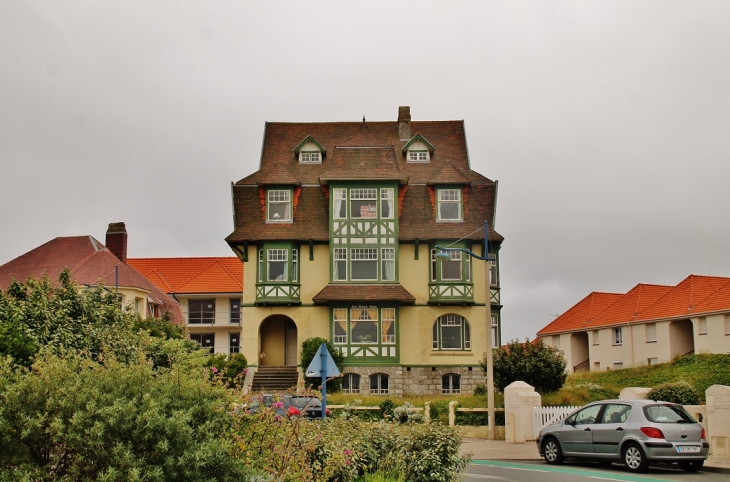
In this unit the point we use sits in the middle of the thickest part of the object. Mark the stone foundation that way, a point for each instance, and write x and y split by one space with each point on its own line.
404 380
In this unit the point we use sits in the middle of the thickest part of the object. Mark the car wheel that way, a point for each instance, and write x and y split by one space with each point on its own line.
551 452
691 465
634 458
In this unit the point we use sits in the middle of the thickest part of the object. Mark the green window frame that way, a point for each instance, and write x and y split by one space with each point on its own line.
364 326
364 203
457 269
451 332
278 263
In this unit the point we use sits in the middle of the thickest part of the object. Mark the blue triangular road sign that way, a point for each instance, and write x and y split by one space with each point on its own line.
322 358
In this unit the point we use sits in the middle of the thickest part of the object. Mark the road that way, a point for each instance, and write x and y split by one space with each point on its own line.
502 471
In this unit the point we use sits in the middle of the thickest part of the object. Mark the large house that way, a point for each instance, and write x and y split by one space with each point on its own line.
209 292
338 229
91 263
649 324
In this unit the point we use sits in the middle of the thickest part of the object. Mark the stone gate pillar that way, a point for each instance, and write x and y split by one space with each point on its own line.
519 398
718 420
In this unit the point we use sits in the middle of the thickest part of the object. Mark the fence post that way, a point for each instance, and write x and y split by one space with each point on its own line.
452 413
427 412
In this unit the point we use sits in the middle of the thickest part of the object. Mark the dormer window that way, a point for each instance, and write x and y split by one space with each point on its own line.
310 157
449 204
417 156
418 149
278 206
309 151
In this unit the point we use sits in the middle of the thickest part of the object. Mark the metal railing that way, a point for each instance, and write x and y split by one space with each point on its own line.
209 319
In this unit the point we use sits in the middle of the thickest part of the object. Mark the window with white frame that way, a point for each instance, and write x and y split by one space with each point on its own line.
387 203
364 325
339 205
450 384
702 323
596 337
387 320
364 264
493 278
351 383
449 205
363 203
618 365
650 332
339 264
451 332
617 336
417 156
310 157
456 268
727 324
277 261
495 330
378 384
278 206
339 326
294 265
388 264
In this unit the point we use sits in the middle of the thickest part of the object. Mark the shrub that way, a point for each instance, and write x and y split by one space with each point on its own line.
539 365
309 350
480 389
230 369
676 392
406 414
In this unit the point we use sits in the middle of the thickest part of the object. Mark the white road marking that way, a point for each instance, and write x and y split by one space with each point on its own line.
480 476
520 468
606 478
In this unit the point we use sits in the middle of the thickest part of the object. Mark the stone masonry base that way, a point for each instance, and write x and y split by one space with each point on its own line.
404 380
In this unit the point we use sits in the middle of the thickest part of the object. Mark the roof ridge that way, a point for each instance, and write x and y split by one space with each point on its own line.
229 273
198 273
163 278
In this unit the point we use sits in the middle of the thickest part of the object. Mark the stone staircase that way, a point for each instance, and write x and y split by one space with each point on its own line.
274 379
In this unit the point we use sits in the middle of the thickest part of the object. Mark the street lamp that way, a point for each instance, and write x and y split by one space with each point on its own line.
489 258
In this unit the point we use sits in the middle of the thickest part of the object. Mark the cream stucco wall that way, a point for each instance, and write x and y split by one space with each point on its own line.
129 295
222 328
717 338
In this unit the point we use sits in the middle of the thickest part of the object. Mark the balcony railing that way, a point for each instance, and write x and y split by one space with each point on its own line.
451 293
277 293
210 319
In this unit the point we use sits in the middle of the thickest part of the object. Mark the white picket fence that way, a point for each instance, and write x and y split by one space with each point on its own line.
543 416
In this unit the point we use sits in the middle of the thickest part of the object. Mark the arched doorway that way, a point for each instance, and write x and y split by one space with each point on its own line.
278 341
681 338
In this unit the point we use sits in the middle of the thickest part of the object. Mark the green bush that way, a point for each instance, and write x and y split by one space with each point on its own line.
677 392
480 389
309 350
230 369
537 364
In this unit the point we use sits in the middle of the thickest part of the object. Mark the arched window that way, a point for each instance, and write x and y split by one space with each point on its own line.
451 332
378 384
451 384
351 383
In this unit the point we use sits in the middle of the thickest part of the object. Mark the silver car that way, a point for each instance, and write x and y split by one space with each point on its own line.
634 432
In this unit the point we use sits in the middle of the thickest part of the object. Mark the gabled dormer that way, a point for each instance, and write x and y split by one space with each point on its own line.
418 149
309 151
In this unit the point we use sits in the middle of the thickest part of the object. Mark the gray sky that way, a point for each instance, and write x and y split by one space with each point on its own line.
606 123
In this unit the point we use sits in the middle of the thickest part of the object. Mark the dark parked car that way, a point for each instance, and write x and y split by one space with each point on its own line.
634 432
289 405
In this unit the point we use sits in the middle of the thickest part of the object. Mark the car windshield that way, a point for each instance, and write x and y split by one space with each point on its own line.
668 414
301 402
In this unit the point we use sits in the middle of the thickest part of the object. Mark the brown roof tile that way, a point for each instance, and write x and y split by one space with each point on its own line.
449 175
361 293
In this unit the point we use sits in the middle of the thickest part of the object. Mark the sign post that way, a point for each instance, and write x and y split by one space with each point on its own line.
323 364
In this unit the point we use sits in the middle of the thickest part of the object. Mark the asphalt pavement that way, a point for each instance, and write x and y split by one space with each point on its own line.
482 449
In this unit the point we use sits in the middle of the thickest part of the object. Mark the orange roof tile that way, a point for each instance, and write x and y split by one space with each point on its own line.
717 301
683 298
581 313
192 275
630 305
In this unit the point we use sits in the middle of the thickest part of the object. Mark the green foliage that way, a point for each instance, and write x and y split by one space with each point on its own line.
386 408
231 369
676 392
74 418
160 327
537 364
309 349
406 414
343 450
480 389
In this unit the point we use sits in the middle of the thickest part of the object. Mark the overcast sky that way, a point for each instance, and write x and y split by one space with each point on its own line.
606 123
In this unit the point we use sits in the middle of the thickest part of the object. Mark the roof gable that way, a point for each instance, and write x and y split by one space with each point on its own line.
683 298
193 275
418 138
449 175
307 140
278 174
581 313
628 307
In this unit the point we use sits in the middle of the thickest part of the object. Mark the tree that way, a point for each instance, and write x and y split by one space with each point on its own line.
309 349
539 365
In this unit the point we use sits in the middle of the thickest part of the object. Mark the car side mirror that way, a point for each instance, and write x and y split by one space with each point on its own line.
570 421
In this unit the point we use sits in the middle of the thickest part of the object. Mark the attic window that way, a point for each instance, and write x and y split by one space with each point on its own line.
310 157
418 156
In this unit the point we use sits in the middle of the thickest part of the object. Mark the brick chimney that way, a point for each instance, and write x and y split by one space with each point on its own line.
116 240
404 123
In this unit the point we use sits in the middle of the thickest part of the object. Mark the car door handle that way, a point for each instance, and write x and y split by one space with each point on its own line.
620 429
587 429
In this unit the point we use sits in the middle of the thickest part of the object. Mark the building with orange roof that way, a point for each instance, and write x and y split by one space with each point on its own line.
209 291
647 325
91 263
337 229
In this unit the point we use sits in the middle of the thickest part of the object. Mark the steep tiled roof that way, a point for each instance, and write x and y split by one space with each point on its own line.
365 150
581 313
278 174
684 298
628 307
90 263
193 275
350 292
717 301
